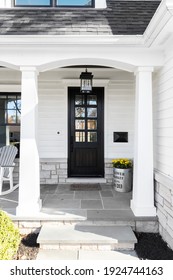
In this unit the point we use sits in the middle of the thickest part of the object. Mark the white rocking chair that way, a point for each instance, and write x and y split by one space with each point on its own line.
7 157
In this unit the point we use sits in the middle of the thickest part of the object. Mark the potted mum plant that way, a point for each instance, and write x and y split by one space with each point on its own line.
122 174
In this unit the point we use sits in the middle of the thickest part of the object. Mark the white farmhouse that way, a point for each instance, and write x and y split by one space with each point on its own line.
63 134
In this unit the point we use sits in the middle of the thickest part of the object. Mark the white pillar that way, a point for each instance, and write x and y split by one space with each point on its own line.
142 203
29 173
100 4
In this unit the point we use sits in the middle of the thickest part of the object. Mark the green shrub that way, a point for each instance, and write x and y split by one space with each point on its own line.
9 237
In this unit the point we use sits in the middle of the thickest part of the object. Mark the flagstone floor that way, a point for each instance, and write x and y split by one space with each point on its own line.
61 202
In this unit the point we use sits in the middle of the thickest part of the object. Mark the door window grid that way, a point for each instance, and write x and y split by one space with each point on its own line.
86 118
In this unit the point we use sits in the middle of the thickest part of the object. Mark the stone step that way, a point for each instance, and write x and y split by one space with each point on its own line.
86 237
49 254
82 180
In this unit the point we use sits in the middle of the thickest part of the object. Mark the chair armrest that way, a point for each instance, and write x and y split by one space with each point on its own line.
7 166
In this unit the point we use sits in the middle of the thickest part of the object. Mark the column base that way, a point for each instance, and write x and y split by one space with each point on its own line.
149 211
29 209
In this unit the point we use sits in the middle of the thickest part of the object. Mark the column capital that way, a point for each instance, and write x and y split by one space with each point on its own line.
143 69
29 69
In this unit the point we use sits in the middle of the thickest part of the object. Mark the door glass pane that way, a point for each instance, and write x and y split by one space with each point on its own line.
91 100
92 112
79 112
79 99
92 124
79 136
79 124
92 136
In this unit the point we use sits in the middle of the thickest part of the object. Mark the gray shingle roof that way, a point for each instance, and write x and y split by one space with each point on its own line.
119 18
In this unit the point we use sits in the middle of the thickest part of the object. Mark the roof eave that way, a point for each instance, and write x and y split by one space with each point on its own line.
160 25
125 40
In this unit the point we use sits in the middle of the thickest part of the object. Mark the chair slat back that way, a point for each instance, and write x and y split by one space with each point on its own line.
7 156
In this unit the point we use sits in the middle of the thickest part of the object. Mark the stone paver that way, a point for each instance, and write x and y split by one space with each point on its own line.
60 196
106 193
108 215
48 189
62 203
64 214
91 204
113 203
59 200
87 195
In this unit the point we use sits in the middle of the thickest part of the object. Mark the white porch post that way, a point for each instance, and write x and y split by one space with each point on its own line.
142 203
29 173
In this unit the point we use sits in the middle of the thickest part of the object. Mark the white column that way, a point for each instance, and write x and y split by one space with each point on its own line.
6 3
142 203
100 4
29 173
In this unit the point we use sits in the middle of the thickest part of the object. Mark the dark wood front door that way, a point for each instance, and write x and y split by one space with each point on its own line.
86 133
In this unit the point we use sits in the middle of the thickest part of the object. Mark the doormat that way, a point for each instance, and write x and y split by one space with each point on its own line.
85 187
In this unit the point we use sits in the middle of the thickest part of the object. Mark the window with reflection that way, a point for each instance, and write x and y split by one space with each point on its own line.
79 136
91 100
79 99
10 115
74 3
79 124
55 3
33 2
92 112
80 112
92 124
92 136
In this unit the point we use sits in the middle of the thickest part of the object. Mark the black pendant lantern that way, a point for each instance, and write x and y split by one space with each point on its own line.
86 82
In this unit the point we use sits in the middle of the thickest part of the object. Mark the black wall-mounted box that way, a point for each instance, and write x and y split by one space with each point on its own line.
120 137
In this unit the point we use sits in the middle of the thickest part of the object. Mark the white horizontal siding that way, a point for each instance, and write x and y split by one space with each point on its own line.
52 120
163 119
53 115
120 107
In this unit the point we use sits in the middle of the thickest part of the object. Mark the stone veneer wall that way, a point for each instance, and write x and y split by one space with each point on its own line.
108 171
55 171
16 171
164 204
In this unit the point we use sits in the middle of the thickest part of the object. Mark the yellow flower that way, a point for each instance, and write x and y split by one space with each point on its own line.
122 163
